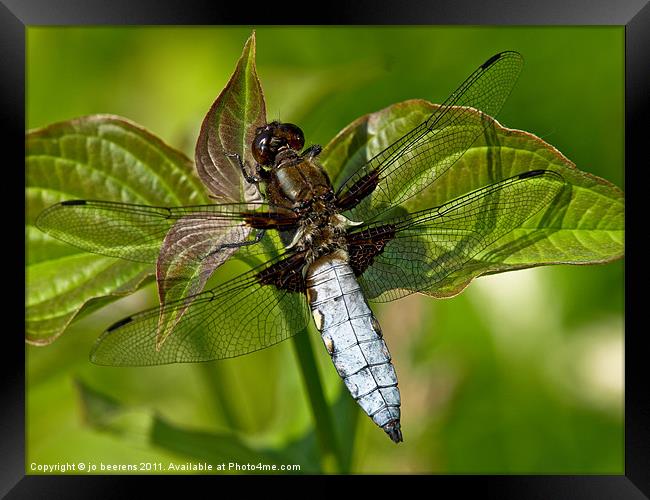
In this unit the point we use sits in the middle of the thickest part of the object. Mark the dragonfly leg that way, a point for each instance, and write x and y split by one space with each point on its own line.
251 179
259 234
312 151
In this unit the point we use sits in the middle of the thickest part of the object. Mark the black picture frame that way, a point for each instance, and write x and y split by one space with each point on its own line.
15 15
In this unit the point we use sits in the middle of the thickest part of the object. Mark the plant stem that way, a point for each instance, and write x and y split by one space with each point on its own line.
216 378
327 438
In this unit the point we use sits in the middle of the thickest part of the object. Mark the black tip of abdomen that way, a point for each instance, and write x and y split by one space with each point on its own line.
394 431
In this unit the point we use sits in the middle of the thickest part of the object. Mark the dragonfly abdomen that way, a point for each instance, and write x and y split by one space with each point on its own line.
353 338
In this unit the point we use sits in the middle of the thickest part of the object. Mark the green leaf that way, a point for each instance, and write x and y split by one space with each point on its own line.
106 414
219 448
95 157
228 128
584 226
98 409
178 272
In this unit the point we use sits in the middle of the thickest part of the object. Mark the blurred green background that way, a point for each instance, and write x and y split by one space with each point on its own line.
522 373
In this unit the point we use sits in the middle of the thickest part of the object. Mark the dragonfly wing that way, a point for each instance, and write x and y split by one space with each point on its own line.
192 250
238 317
136 232
428 151
415 253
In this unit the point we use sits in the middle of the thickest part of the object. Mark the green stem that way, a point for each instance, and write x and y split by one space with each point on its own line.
216 378
330 449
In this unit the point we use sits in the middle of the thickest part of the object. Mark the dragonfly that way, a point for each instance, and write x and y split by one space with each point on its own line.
339 247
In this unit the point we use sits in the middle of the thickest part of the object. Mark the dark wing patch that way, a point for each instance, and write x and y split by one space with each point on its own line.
285 274
358 191
365 245
280 220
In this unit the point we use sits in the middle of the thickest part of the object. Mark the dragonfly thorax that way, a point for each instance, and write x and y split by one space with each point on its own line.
296 180
321 233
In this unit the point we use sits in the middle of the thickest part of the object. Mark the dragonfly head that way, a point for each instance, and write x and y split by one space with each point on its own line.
274 136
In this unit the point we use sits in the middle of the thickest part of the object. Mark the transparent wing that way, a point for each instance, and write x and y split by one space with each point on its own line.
420 250
136 232
238 317
425 153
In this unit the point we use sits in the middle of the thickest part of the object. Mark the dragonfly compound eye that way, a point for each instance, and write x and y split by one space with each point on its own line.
262 147
273 136
291 134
